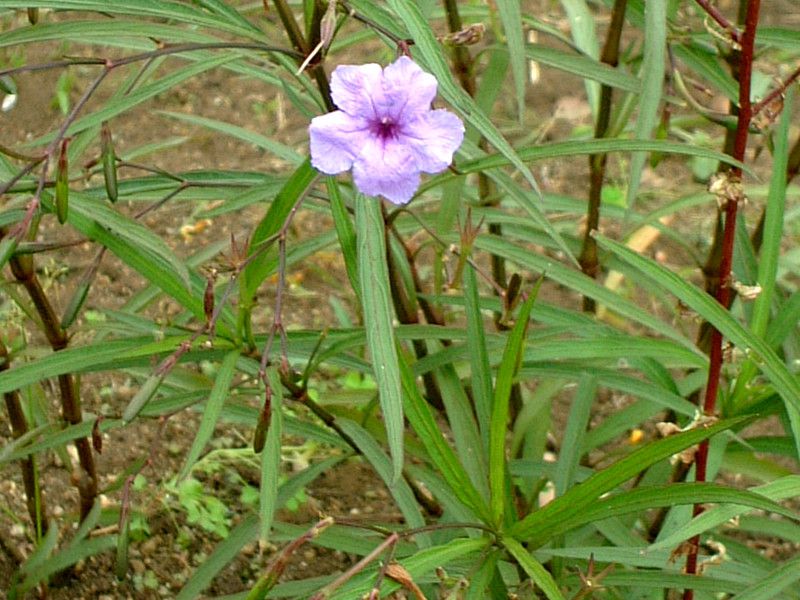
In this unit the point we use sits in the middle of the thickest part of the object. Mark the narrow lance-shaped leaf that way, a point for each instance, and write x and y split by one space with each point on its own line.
509 365
271 457
511 16
655 42
373 274
538 527
772 239
786 384
213 409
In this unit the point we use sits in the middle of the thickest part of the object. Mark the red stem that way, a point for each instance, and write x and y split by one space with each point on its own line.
723 291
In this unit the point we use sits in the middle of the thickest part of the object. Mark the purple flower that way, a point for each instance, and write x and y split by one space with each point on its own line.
384 129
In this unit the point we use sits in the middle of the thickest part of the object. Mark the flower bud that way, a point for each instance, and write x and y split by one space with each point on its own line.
62 184
327 26
109 160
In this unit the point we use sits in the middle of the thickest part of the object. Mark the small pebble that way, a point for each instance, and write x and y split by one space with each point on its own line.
17 530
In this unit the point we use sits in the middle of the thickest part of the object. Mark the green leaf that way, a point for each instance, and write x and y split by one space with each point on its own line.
146 92
418 565
271 458
509 365
652 74
225 552
212 410
552 150
398 487
290 195
584 67
537 528
533 568
158 9
572 443
376 302
780 489
580 283
69 556
786 384
441 455
773 584
136 245
582 28
641 499
511 16
260 141
478 356
345 232
773 236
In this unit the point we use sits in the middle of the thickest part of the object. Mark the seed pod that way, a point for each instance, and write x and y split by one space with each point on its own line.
109 160
208 300
33 16
97 437
512 293
260 435
142 397
7 86
62 184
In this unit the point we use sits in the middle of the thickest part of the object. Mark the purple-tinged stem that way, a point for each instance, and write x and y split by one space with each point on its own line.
723 294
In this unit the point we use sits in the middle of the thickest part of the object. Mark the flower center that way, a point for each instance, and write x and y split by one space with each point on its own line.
385 129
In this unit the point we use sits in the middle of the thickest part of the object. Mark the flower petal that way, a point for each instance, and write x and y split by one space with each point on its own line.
433 137
386 168
408 89
356 88
335 140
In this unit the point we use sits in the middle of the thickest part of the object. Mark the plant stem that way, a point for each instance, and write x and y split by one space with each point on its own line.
303 46
19 426
86 481
723 294
597 162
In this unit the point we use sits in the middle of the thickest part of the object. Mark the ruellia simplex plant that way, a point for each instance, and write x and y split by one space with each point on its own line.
577 394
